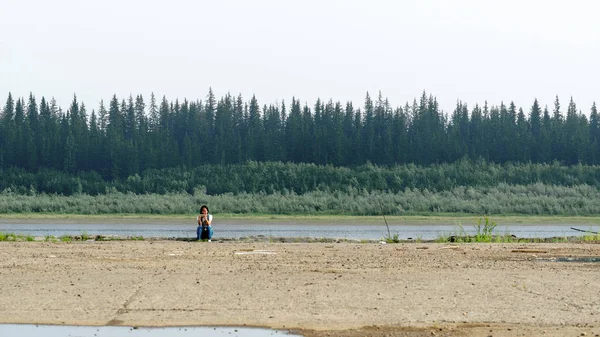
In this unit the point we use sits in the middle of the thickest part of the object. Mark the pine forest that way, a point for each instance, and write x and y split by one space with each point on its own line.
133 155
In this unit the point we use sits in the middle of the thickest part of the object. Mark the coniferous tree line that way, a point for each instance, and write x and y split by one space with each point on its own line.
130 136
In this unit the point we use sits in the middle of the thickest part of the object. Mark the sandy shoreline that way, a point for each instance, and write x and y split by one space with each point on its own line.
336 289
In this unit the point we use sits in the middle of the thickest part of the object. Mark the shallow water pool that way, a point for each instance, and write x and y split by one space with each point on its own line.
36 330
584 259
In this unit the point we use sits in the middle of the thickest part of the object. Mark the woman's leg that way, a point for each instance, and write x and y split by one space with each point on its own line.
210 232
198 232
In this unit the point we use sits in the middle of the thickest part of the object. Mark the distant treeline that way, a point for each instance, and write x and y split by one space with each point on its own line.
289 178
132 136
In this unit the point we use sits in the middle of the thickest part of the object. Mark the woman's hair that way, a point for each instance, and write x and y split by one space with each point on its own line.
204 206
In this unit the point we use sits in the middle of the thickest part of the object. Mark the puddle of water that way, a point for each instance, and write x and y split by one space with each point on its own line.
31 330
256 251
572 259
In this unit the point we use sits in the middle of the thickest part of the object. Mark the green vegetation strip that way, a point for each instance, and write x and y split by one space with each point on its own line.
536 200
12 237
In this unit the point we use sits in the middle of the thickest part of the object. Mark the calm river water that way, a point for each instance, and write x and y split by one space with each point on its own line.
287 230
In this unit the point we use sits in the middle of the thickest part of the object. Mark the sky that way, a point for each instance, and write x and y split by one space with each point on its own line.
468 50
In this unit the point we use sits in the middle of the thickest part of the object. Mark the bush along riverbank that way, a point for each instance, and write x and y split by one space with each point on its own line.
503 199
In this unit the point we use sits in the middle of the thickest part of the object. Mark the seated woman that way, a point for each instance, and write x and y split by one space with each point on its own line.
204 230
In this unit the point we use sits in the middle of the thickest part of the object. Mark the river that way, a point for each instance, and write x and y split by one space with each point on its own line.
227 230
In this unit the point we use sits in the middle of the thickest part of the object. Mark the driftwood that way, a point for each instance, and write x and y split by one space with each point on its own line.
527 250
583 230
470 238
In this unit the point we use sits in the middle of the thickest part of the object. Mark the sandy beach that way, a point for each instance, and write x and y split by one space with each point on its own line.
316 289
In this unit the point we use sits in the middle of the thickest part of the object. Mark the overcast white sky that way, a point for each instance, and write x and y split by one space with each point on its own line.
472 50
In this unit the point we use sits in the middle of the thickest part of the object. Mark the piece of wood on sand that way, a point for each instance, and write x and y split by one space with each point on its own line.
528 250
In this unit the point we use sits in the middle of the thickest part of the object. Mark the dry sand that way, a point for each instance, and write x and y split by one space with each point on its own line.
319 289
